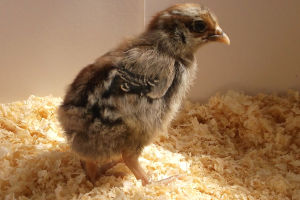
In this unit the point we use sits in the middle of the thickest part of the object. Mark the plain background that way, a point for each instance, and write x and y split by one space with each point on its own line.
44 44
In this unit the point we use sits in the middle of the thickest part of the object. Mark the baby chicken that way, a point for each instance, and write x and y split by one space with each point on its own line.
117 105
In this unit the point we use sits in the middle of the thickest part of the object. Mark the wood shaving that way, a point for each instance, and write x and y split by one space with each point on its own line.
234 147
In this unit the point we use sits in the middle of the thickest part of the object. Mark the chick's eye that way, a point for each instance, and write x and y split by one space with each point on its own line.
199 26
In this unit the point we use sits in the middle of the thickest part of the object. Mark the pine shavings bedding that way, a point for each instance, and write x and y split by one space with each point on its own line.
234 147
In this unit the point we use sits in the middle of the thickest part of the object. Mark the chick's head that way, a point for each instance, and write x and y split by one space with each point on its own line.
188 26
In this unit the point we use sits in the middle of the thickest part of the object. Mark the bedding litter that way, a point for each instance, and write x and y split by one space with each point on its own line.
234 147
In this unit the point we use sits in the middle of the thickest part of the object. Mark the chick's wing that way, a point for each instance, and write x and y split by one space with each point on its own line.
145 73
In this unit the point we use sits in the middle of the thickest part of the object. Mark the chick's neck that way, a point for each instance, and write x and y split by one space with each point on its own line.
173 44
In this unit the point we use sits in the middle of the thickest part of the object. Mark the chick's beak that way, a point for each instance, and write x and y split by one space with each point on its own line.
219 36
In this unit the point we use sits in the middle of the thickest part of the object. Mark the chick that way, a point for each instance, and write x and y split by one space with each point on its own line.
118 104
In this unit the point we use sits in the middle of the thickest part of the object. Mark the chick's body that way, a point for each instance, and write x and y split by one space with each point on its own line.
116 105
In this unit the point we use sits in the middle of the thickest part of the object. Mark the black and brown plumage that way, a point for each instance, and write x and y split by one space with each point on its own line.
118 104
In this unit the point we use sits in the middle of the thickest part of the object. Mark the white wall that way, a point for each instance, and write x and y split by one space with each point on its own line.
43 44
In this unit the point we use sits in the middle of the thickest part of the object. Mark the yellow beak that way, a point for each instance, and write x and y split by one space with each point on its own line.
219 36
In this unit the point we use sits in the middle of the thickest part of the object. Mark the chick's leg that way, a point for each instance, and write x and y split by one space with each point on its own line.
91 169
93 172
131 161
109 165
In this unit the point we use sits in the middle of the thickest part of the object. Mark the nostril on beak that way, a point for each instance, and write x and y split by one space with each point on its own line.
219 31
